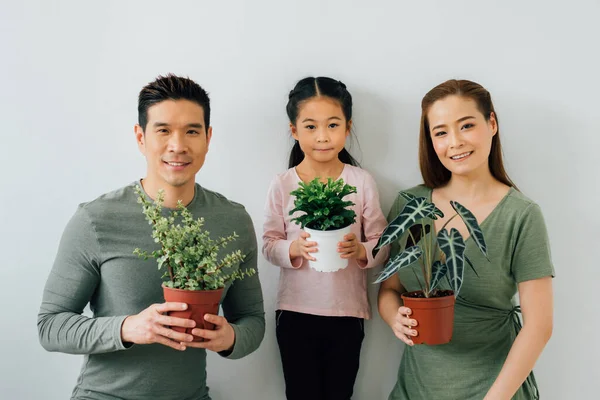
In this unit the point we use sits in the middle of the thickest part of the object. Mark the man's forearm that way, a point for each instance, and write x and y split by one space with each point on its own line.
73 333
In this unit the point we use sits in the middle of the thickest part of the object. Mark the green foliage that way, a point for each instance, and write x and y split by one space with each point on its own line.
187 252
440 255
323 205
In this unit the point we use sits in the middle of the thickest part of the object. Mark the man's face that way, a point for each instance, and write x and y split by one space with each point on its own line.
174 142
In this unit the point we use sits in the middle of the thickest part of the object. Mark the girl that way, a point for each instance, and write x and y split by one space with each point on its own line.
319 316
490 356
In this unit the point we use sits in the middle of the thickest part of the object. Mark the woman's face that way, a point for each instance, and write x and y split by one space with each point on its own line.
461 135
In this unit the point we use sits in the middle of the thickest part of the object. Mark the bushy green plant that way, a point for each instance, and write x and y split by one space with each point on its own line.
323 205
440 255
187 251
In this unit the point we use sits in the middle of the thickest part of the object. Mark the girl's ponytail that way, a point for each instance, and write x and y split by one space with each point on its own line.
296 155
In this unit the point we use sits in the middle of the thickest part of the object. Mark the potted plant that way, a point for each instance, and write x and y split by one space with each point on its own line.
195 275
441 256
326 218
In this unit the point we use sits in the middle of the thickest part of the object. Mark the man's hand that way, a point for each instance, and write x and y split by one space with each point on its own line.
151 326
222 338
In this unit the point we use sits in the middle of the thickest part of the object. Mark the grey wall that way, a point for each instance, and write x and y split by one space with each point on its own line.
71 71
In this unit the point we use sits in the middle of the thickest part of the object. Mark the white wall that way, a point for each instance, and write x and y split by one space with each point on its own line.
71 71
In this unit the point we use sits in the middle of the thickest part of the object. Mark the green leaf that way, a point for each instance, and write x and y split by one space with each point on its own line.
402 260
416 231
414 211
188 249
471 265
438 271
438 213
408 196
453 246
472 225
322 205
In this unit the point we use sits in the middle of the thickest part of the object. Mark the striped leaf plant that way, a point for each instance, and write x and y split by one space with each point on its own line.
441 255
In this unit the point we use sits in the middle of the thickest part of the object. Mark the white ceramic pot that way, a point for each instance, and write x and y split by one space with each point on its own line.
328 259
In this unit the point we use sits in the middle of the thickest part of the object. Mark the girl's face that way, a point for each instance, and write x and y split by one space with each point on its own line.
461 136
321 129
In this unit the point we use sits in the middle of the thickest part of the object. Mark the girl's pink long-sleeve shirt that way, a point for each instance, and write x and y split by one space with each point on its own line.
301 288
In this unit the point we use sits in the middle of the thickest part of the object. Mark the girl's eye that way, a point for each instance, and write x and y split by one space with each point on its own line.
333 125
439 133
310 127
468 126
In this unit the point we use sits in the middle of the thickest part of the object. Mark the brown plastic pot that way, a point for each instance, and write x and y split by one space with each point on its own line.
200 302
434 315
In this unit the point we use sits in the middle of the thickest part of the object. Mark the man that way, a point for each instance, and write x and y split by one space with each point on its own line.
130 350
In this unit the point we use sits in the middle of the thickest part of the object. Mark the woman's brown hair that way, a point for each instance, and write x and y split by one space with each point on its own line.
433 171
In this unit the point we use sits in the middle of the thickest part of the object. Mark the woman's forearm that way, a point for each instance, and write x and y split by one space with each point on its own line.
521 359
388 302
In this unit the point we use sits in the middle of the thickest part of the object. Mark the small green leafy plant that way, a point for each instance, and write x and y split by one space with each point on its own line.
187 251
323 205
440 256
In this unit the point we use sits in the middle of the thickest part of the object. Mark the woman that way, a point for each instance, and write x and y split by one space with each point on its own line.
489 356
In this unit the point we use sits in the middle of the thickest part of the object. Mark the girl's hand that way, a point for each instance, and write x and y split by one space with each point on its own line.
352 248
403 325
302 248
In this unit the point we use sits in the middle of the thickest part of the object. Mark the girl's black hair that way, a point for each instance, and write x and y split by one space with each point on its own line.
308 88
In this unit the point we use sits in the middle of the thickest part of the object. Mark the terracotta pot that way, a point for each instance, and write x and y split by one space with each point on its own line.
434 315
199 302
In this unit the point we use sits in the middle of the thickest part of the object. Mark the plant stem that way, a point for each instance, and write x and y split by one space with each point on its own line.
432 255
427 259
447 222
418 281
413 239
426 290
216 246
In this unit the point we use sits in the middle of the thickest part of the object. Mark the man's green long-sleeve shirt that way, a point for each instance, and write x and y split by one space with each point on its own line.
95 264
